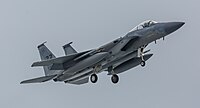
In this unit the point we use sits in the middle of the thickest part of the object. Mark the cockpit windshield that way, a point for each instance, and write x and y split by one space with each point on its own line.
144 24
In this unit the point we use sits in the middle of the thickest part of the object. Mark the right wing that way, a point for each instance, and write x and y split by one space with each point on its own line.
39 80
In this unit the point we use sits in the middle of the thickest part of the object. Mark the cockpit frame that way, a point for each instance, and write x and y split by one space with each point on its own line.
144 24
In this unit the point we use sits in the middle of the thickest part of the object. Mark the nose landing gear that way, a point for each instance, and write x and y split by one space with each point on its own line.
141 55
142 63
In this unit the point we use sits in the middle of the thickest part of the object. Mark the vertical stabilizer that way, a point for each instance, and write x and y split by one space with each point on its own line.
46 54
69 49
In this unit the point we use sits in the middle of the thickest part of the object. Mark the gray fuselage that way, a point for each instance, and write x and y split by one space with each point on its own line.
120 50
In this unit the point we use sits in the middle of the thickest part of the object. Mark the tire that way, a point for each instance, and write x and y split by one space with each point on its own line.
93 78
143 63
115 78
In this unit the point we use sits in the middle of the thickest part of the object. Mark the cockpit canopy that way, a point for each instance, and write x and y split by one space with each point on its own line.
144 24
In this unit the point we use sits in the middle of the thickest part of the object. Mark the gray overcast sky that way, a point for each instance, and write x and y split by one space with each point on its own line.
169 80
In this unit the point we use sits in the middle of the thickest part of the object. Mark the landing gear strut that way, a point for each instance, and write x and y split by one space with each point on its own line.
140 54
114 78
93 78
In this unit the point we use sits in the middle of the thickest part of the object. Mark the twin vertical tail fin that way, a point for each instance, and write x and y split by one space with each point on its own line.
69 49
46 54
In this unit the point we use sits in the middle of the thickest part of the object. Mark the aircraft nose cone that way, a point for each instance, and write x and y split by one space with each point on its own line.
173 26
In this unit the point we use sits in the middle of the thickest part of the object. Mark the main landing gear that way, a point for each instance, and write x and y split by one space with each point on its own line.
115 78
93 78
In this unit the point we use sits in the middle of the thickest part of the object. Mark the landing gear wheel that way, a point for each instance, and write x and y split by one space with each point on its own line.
114 78
93 78
142 63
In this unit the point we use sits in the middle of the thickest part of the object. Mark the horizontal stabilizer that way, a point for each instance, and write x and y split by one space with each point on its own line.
39 80
58 60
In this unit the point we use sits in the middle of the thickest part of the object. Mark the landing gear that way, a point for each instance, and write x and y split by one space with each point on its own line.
93 78
96 69
114 78
142 63
141 55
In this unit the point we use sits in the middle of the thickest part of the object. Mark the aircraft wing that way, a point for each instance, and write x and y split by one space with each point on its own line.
58 60
39 80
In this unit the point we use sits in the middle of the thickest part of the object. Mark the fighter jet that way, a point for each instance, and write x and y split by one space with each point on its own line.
114 57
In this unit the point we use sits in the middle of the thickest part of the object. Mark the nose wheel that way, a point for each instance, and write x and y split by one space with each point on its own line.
142 63
93 78
115 78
